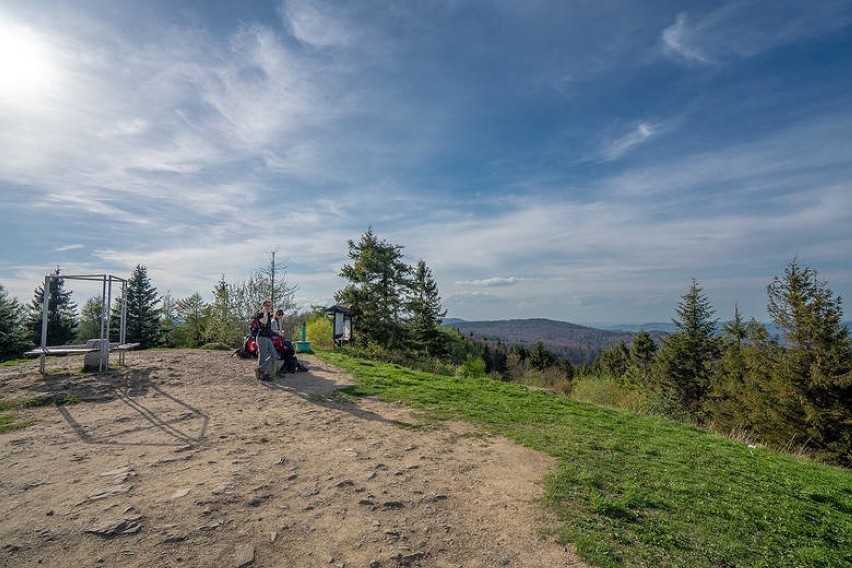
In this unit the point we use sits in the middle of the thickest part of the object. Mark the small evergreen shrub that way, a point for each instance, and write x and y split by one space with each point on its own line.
472 368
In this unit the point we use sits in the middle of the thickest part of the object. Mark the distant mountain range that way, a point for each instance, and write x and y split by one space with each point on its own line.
577 343
665 327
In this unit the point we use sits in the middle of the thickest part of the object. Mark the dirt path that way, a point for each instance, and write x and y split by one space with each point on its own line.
183 459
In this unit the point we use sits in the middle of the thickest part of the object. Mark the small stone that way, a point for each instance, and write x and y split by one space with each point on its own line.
245 555
127 525
180 493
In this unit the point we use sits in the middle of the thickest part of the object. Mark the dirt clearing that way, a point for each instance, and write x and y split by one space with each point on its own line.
182 458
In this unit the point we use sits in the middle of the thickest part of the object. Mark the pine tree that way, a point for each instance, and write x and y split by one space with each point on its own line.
61 313
759 400
541 358
192 311
14 338
685 361
377 278
726 392
643 349
143 314
424 307
816 366
91 316
613 361
223 325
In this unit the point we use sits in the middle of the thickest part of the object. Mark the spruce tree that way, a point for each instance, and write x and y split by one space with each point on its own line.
685 361
143 313
541 358
643 349
816 366
223 324
726 393
424 307
61 313
759 399
192 311
91 315
14 338
378 278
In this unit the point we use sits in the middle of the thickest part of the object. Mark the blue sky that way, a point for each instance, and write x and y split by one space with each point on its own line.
580 161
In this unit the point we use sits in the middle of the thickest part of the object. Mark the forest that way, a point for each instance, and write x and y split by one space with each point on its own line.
790 390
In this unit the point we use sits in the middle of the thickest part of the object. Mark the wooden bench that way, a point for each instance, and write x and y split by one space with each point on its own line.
78 349
62 350
94 356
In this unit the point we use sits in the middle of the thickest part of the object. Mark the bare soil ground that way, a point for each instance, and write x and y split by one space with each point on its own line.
182 458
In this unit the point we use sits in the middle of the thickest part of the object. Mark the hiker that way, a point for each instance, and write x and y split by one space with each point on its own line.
266 355
278 323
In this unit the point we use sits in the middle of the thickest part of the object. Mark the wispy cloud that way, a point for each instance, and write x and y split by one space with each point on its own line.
639 134
745 29
490 282
67 248
678 41
438 124
318 24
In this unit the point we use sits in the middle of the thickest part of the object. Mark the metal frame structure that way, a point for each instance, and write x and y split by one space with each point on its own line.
103 345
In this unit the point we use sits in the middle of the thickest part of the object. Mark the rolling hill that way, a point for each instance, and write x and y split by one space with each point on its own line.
577 343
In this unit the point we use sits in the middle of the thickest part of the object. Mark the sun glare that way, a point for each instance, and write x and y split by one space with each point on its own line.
25 68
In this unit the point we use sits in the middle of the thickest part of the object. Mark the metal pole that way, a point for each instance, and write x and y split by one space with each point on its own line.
122 335
44 302
104 307
104 358
272 292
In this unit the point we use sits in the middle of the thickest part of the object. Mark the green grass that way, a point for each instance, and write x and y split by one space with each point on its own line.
10 420
631 490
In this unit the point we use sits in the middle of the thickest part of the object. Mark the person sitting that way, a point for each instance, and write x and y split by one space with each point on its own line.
267 357
278 323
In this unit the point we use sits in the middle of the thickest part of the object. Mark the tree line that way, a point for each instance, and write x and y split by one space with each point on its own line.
793 390
152 320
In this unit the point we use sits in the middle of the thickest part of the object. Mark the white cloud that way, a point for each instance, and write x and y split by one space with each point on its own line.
678 41
641 133
318 24
745 29
490 282
67 248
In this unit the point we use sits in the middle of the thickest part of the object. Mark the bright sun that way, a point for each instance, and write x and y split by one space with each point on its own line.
25 69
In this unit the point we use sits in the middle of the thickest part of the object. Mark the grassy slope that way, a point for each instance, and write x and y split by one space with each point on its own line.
639 491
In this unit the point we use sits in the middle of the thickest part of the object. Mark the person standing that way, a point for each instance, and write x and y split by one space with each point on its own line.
266 355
